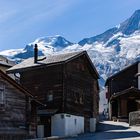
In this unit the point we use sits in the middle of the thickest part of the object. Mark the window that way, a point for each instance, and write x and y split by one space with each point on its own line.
49 97
2 101
78 98
80 67
81 98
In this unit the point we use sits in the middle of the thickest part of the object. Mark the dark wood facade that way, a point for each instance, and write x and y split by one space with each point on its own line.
81 89
80 84
13 123
15 109
123 80
44 82
69 86
123 93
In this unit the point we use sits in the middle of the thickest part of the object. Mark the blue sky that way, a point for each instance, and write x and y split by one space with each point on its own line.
22 21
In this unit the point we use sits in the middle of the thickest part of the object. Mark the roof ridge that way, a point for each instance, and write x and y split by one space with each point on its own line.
51 59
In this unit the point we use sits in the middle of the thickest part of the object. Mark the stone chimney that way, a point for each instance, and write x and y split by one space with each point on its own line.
35 53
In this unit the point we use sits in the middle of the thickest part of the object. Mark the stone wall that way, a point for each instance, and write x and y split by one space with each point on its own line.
134 118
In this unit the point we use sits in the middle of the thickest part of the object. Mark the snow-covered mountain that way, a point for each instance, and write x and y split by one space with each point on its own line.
127 27
46 45
114 49
110 51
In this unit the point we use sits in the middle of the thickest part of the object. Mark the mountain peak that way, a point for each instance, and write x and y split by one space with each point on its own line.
136 15
132 24
48 44
137 12
55 41
127 27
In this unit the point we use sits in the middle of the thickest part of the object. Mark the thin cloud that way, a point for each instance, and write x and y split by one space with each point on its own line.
23 22
25 16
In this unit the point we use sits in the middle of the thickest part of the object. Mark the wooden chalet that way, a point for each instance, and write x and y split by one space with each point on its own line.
123 92
15 107
68 84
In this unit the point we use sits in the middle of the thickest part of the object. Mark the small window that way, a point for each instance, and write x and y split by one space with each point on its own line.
81 98
50 97
2 100
76 97
82 67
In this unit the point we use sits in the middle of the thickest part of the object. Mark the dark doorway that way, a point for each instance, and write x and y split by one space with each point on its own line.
46 121
131 106
86 125
114 108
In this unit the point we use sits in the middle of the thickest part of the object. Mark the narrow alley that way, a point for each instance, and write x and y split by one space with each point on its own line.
109 130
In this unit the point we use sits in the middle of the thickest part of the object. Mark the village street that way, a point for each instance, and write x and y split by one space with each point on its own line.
109 130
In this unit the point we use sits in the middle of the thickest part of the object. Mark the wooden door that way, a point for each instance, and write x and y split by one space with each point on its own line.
47 127
46 121
131 106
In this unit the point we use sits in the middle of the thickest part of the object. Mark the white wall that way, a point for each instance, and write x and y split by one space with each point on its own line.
58 125
40 131
110 111
67 125
103 102
92 124
139 76
74 125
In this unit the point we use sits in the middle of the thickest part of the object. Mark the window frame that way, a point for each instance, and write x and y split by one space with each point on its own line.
2 95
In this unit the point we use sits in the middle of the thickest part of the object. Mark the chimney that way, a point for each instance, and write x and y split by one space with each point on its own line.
35 53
